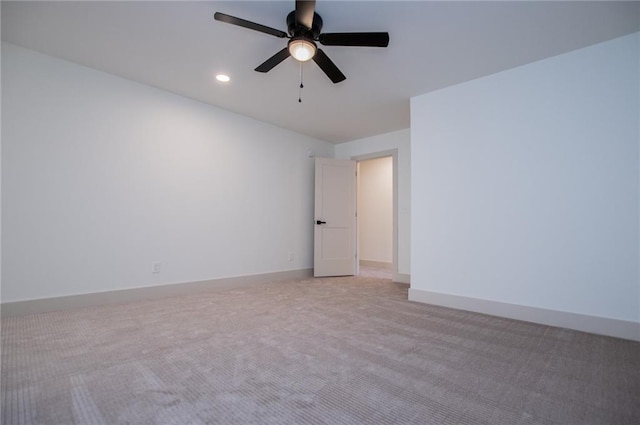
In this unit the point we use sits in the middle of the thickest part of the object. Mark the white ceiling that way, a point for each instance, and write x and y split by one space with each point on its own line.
179 47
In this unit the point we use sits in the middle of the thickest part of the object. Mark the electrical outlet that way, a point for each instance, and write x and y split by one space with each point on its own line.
290 255
156 266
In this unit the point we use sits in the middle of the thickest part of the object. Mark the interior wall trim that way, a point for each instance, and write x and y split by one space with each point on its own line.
44 305
378 264
580 322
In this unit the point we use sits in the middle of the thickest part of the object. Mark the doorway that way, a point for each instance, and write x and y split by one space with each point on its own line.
376 215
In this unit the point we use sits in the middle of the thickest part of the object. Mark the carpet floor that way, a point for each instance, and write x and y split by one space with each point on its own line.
348 350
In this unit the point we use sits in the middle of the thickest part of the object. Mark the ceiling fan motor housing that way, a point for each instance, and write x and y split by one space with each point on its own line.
297 30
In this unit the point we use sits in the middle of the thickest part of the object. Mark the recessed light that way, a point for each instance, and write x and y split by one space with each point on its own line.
223 78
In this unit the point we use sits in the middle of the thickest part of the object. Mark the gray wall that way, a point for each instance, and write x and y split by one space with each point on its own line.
525 185
102 176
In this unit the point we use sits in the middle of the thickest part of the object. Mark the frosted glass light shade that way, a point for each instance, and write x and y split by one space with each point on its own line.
302 49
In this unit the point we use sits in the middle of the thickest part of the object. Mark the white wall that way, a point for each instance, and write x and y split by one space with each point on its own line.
400 141
101 176
375 210
525 185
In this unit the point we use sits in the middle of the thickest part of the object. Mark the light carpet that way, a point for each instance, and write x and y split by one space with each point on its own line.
347 350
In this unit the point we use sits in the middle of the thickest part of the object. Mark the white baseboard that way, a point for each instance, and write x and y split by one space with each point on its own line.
377 264
401 277
44 305
581 322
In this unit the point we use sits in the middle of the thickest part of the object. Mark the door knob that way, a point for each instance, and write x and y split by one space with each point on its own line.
320 222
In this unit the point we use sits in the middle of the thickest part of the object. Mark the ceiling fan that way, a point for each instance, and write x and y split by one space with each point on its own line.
304 26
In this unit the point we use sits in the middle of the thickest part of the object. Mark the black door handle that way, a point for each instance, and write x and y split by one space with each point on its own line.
320 222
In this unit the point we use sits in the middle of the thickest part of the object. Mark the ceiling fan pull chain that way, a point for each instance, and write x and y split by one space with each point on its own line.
301 85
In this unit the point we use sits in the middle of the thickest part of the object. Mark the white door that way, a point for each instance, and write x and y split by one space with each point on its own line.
335 218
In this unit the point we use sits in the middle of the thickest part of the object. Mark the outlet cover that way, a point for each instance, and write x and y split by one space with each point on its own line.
156 266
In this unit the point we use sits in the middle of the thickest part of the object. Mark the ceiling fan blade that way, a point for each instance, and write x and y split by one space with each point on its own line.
222 17
267 65
304 12
328 67
365 39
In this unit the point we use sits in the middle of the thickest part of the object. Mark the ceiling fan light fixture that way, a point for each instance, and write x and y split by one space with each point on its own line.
304 27
302 49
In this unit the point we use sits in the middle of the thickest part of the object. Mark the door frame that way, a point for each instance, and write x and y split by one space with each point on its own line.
393 153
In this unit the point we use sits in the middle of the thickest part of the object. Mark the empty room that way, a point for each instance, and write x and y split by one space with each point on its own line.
195 228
